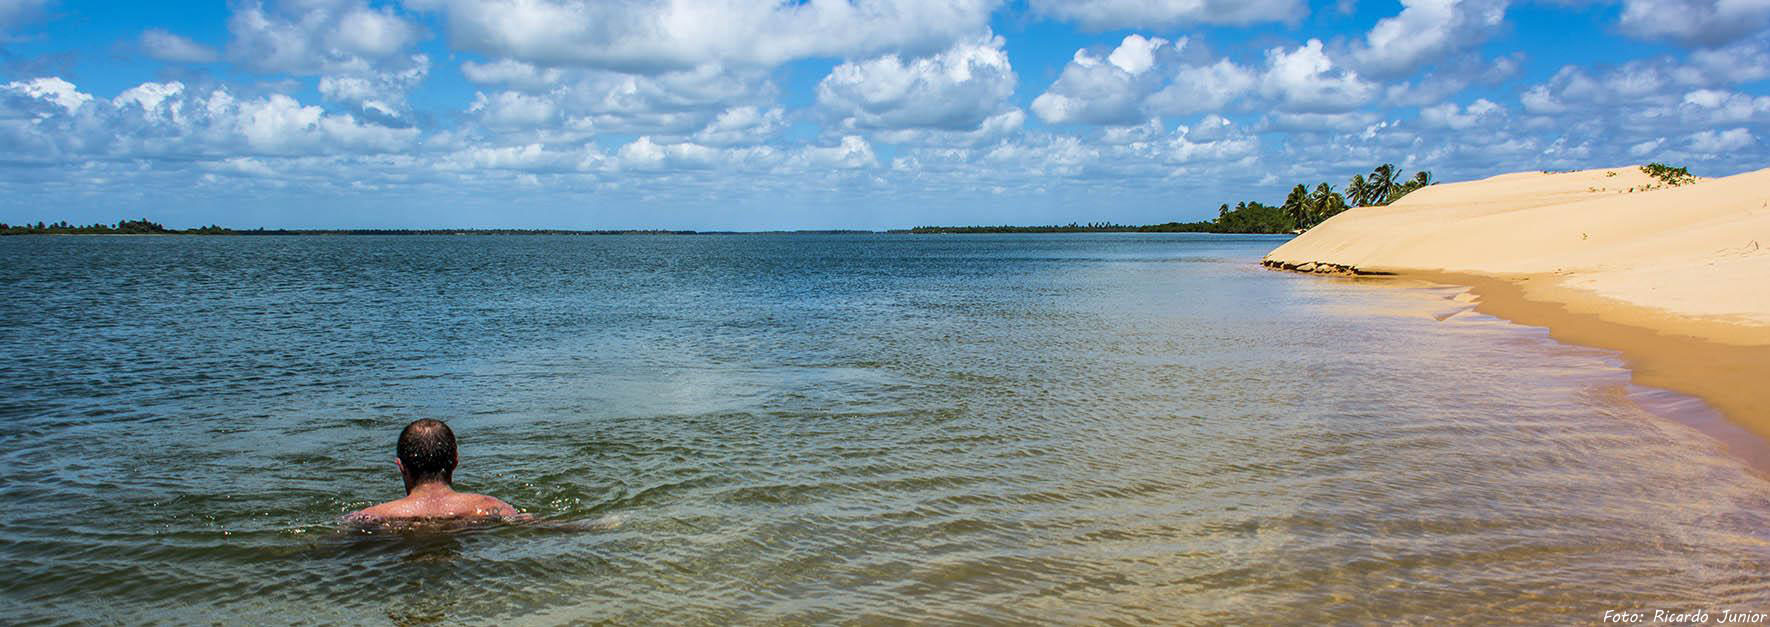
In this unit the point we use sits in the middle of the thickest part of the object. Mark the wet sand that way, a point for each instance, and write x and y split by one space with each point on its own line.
1662 351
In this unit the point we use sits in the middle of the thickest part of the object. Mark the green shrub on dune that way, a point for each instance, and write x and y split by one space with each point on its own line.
1669 175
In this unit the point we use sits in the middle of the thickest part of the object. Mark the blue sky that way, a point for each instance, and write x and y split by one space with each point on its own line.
743 114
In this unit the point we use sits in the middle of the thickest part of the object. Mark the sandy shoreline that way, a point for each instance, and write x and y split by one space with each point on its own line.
1729 377
1675 279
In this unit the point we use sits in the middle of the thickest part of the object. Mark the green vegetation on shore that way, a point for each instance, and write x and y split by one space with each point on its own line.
1302 209
123 227
1308 208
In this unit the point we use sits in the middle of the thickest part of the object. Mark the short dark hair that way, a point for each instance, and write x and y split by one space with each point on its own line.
427 450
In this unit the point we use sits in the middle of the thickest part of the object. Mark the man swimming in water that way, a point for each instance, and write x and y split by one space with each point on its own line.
427 462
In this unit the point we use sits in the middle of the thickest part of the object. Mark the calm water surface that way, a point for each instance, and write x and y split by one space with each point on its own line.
760 429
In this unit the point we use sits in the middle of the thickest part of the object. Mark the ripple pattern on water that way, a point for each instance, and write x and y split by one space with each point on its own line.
809 429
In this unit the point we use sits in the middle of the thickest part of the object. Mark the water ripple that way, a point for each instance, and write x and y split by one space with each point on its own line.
764 429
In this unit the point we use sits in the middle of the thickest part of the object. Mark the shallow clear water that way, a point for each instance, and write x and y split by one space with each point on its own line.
720 429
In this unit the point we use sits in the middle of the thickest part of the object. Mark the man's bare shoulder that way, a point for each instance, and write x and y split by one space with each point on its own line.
460 505
487 506
391 510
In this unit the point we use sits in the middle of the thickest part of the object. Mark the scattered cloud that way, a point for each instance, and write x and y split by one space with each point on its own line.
1482 112
171 120
1451 77
1425 32
1318 122
1716 107
909 103
363 55
512 109
1714 142
1109 14
1706 23
166 46
1199 88
318 36
742 125
514 74
16 14
850 153
646 37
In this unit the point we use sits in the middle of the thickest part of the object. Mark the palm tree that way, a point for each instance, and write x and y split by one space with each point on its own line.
1357 191
1324 204
1384 180
1296 205
1420 180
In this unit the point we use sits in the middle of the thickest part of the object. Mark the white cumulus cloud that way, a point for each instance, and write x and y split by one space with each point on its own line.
1106 89
742 125
1715 142
1198 88
954 90
516 74
1448 115
362 54
170 119
383 93
52 89
650 36
148 98
1426 31
1713 106
851 153
1306 80
667 103
514 109
317 36
1695 22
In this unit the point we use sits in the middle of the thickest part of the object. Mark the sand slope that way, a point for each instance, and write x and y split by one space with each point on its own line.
1692 260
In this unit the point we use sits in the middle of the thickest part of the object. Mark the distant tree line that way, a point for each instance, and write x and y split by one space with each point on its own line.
147 227
122 227
1302 209
1091 227
262 231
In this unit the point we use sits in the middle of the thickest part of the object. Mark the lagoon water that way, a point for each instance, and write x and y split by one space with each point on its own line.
823 428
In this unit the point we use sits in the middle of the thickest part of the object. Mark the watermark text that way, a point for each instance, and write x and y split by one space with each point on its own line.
1685 617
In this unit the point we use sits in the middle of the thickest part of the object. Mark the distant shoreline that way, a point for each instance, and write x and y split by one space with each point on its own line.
993 230
1246 218
1171 227
310 232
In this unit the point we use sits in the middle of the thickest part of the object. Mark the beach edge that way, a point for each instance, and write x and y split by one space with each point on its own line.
1659 349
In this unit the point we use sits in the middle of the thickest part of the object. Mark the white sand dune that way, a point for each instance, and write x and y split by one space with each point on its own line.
1695 257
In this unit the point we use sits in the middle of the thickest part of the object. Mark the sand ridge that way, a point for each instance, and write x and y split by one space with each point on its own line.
1700 251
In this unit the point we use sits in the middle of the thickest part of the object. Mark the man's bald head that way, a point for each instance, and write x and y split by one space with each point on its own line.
427 451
